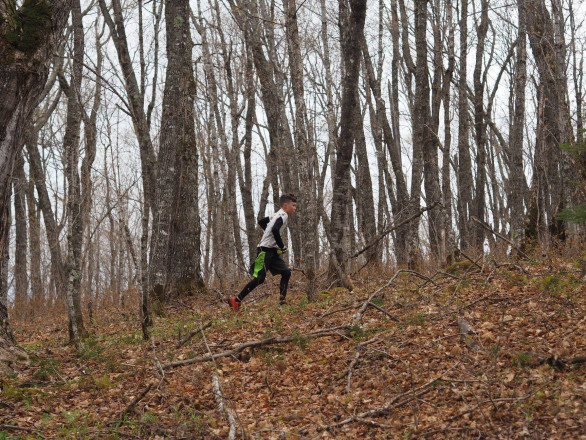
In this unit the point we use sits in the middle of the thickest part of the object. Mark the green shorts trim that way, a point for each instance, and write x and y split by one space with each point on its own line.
259 263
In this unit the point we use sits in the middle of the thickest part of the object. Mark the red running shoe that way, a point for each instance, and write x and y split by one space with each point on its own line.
234 303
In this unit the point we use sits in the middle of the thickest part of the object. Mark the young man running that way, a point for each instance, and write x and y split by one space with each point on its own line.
268 252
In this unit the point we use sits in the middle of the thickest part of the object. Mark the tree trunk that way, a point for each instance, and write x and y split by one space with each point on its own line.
480 128
23 73
305 152
433 191
552 172
516 181
351 28
20 251
176 249
71 145
448 242
465 181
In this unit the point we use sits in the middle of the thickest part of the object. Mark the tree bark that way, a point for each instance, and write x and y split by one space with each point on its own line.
30 34
71 145
20 251
552 173
465 181
352 29
516 181
305 152
176 248
480 126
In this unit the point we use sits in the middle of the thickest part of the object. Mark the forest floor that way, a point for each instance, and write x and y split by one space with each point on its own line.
481 355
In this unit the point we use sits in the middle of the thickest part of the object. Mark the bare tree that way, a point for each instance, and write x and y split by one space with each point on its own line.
27 52
352 19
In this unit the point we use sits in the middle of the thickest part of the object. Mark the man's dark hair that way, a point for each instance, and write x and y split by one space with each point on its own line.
286 198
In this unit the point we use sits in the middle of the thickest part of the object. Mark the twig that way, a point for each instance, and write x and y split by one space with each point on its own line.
359 348
513 246
516 266
21 428
396 402
253 344
380 309
475 263
192 334
158 363
130 408
450 275
219 395
392 228
358 316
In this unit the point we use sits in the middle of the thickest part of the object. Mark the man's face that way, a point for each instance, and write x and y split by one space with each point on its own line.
290 207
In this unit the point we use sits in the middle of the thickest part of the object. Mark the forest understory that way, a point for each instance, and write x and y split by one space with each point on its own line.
469 353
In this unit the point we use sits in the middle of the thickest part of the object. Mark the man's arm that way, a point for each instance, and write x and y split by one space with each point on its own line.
276 232
263 222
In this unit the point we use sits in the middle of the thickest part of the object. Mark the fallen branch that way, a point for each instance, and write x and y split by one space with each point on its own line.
132 406
254 344
392 228
358 316
219 395
192 334
359 348
489 229
535 360
21 428
383 311
394 403
158 363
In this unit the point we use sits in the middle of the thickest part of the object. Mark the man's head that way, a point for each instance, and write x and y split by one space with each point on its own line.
288 203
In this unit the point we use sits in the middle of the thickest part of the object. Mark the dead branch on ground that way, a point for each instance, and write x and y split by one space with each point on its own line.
132 406
394 403
358 316
359 348
254 344
192 334
219 395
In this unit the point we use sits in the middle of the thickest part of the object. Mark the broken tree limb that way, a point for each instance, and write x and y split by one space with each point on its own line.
394 403
475 263
157 363
358 316
192 334
390 229
359 348
132 406
253 344
383 311
219 395
502 237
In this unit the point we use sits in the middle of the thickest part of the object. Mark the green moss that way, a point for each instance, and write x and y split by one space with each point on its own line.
29 26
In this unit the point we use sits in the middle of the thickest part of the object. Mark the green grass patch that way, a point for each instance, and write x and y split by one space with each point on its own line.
416 320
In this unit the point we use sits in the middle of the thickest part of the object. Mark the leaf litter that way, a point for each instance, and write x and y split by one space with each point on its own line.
516 372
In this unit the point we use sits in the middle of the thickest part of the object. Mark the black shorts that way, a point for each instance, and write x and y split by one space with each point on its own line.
267 259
